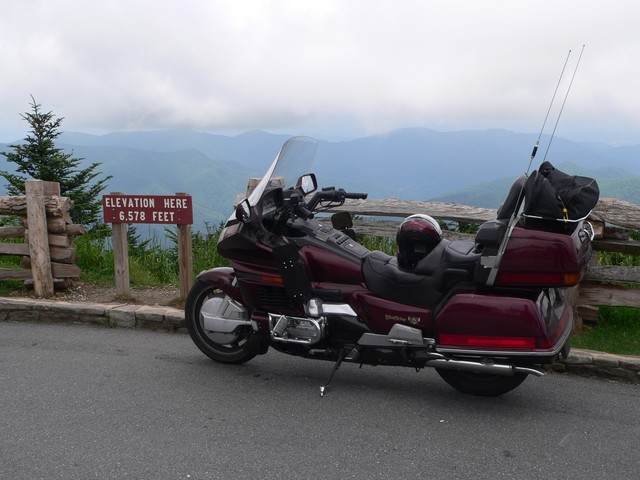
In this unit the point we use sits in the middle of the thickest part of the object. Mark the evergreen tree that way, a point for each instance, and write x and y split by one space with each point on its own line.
38 158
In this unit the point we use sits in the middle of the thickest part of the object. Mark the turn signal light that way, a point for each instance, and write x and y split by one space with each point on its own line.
551 279
482 341
271 279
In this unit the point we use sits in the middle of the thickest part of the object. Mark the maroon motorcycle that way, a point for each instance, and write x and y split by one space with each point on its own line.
485 313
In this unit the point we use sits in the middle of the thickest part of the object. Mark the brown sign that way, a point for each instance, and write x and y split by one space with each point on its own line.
175 210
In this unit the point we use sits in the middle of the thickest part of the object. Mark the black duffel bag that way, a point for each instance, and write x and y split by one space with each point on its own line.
552 194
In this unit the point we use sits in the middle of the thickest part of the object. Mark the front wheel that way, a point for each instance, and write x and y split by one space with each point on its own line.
482 384
240 347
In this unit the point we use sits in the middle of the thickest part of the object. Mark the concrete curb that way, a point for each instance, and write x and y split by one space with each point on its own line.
599 364
109 314
581 362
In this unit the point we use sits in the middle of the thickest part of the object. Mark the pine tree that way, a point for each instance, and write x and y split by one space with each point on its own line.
38 158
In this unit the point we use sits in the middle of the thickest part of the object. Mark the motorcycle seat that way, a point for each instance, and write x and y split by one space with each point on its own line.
385 278
447 264
380 265
458 254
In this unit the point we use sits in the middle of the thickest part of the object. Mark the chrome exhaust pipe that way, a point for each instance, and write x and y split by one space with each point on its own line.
480 367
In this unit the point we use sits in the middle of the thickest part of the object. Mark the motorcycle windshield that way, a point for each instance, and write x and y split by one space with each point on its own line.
294 160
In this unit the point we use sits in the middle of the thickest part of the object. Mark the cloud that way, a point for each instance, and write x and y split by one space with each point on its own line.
318 64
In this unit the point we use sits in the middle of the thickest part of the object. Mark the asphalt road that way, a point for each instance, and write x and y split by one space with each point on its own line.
81 402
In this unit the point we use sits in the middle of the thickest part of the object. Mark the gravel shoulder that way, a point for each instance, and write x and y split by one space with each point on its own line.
92 293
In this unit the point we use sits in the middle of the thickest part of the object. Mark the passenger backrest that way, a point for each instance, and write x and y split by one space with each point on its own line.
513 200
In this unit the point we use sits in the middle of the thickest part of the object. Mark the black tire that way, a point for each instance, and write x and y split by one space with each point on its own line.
481 384
243 347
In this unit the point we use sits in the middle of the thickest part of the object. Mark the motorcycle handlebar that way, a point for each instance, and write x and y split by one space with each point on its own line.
333 195
339 194
356 196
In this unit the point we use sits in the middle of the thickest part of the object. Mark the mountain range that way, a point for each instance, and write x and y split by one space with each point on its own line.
466 167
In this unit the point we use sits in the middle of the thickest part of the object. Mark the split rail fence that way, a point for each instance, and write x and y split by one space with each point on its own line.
612 219
47 232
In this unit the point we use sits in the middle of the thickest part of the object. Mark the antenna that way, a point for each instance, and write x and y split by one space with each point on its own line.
564 101
535 147
494 263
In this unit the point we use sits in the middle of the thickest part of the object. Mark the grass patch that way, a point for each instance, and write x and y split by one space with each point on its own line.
617 331
152 262
373 242
8 286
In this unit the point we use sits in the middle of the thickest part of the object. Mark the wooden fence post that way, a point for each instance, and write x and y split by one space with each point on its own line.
121 259
185 257
38 239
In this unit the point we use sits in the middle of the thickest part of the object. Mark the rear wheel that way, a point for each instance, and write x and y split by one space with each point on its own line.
240 347
482 384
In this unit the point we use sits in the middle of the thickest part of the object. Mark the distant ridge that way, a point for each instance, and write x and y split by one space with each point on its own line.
468 167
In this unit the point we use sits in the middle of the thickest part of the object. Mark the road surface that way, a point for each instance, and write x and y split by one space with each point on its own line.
83 402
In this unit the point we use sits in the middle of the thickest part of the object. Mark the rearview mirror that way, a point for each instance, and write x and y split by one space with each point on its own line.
243 211
307 183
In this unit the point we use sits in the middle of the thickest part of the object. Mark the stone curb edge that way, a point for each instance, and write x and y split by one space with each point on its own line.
581 362
109 314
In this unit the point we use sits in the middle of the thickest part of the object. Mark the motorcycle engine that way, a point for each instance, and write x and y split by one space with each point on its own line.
307 331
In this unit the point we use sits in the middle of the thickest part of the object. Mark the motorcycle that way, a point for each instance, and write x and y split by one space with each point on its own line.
485 313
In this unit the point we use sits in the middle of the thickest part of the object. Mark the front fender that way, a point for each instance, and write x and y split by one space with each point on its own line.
222 278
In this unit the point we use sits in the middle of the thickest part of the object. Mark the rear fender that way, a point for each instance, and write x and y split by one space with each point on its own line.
223 278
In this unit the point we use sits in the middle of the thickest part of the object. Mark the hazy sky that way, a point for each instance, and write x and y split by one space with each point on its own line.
322 67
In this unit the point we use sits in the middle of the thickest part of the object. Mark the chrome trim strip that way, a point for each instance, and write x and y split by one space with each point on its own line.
213 323
339 309
317 308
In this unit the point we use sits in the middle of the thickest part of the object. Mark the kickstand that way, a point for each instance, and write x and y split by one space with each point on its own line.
341 355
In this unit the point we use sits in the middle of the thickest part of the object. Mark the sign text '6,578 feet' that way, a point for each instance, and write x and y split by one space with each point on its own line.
175 210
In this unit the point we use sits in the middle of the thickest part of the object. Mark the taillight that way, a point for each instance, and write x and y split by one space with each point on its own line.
549 279
482 341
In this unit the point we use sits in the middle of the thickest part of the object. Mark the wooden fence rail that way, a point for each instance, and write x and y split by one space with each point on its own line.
47 231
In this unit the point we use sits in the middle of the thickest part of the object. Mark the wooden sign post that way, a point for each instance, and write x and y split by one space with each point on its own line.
121 210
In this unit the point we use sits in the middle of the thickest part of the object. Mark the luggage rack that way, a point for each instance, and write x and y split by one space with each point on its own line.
557 224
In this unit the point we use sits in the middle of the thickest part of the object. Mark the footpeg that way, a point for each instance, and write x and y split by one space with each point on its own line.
353 355
399 335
